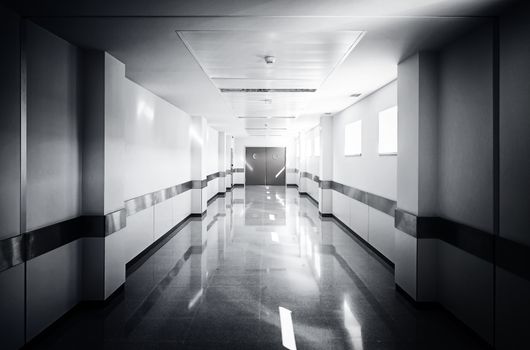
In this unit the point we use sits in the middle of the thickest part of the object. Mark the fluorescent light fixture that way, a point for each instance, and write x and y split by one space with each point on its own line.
286 323
268 197
272 217
274 237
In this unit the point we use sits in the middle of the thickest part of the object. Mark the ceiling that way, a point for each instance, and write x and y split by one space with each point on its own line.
187 51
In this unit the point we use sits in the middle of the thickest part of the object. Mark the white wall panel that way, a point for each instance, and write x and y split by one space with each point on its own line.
381 232
163 218
405 262
213 187
465 288
140 232
115 260
341 207
181 207
358 217
62 269
12 307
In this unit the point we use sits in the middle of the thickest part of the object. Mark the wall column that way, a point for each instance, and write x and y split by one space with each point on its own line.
415 257
326 165
103 189
221 149
199 193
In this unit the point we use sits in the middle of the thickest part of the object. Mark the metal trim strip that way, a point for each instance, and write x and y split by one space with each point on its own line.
115 221
238 170
385 205
325 184
11 252
405 222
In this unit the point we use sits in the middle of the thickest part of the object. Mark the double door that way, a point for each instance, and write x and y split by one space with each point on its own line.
265 166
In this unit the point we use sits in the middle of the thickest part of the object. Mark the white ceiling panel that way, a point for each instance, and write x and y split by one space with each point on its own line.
237 60
241 55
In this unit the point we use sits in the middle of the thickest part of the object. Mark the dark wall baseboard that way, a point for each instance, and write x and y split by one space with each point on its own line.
305 194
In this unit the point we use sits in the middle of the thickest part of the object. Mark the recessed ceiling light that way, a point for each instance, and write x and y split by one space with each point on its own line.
270 59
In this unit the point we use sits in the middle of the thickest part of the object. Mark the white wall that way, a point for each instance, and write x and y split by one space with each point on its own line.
157 148
309 161
369 172
212 160
157 142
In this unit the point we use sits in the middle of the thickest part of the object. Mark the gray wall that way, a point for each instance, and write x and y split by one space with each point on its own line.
54 173
9 125
465 173
465 191
53 148
512 291
11 280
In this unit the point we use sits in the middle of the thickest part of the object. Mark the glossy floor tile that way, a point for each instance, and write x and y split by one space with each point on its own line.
220 282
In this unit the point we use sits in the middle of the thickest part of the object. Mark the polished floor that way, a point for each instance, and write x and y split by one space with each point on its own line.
260 271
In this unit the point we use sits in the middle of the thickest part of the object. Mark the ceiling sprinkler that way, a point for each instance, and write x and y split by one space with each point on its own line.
270 59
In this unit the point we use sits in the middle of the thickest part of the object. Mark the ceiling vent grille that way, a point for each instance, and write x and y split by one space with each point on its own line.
263 117
267 90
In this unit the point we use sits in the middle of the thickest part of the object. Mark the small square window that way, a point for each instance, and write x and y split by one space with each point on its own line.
388 131
352 139
316 148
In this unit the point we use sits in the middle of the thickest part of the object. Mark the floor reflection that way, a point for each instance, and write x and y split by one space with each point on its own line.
260 270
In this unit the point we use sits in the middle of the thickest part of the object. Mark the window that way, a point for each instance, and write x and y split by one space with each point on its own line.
309 150
352 139
317 143
388 132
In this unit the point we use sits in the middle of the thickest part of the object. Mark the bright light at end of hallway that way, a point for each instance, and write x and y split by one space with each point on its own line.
274 237
286 323
272 217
